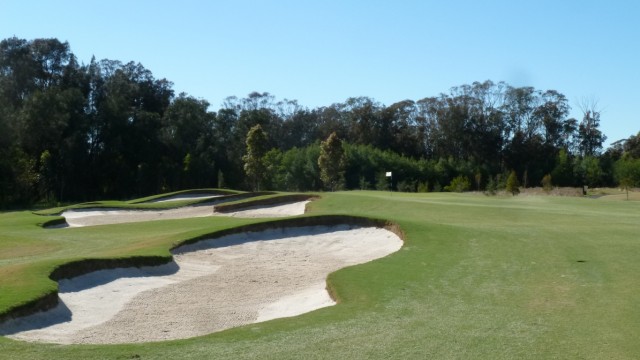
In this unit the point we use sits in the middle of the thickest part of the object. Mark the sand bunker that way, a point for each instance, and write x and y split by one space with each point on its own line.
212 285
92 217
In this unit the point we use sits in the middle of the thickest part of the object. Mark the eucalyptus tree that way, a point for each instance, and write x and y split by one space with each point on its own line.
254 165
590 138
331 162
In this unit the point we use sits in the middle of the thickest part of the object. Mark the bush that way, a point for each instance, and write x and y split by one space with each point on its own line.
407 186
513 186
459 184
437 187
547 186
492 187
382 183
423 187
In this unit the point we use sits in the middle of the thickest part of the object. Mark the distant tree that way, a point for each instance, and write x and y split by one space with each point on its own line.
331 162
513 186
382 182
458 184
588 171
478 178
590 138
562 173
221 182
627 173
254 165
492 187
546 183
632 146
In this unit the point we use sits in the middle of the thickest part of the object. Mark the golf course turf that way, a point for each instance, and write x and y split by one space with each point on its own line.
524 277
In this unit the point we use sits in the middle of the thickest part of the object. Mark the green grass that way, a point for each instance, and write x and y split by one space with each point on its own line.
479 277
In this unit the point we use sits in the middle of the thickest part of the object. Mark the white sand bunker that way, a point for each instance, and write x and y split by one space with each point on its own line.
92 217
213 285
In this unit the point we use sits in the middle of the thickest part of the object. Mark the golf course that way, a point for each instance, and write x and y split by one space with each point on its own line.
506 277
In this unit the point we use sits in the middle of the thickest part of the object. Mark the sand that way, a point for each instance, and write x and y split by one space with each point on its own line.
213 285
93 217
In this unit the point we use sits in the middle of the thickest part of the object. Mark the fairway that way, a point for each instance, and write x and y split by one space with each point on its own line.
524 277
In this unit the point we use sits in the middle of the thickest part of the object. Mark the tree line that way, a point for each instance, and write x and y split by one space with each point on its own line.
71 131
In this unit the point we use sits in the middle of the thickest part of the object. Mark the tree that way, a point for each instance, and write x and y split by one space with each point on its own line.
513 186
588 171
627 173
458 184
590 138
254 165
547 185
632 146
331 162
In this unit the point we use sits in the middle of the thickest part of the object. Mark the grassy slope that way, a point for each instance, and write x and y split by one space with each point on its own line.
478 277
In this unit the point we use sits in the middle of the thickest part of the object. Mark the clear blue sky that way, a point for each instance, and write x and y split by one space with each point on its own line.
323 52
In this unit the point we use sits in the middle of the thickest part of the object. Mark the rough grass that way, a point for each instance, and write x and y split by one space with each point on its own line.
528 277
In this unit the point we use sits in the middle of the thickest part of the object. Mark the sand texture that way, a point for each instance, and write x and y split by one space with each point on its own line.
212 285
93 217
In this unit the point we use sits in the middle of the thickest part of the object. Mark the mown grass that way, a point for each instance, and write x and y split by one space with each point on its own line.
525 277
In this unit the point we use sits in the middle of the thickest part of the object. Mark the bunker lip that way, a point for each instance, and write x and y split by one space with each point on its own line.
180 197
289 257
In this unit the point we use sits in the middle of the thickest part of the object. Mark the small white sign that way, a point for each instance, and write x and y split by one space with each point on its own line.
388 173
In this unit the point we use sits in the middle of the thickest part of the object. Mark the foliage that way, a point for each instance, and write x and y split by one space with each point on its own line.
407 186
113 130
492 187
588 171
590 138
513 185
423 187
459 184
254 164
382 182
547 185
331 162
627 173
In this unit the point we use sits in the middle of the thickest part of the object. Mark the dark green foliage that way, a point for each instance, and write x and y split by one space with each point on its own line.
492 187
331 162
382 182
112 130
407 186
254 164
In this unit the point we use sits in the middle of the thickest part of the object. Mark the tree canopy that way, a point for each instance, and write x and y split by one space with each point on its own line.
331 162
71 131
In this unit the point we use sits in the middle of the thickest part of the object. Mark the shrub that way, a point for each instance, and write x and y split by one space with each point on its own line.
458 184
513 186
382 183
492 187
407 186
423 187
437 187
547 186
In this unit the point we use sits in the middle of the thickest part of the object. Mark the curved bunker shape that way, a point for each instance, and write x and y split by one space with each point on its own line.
213 284
97 216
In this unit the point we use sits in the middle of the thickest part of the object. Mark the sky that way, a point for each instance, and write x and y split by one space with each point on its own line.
323 52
